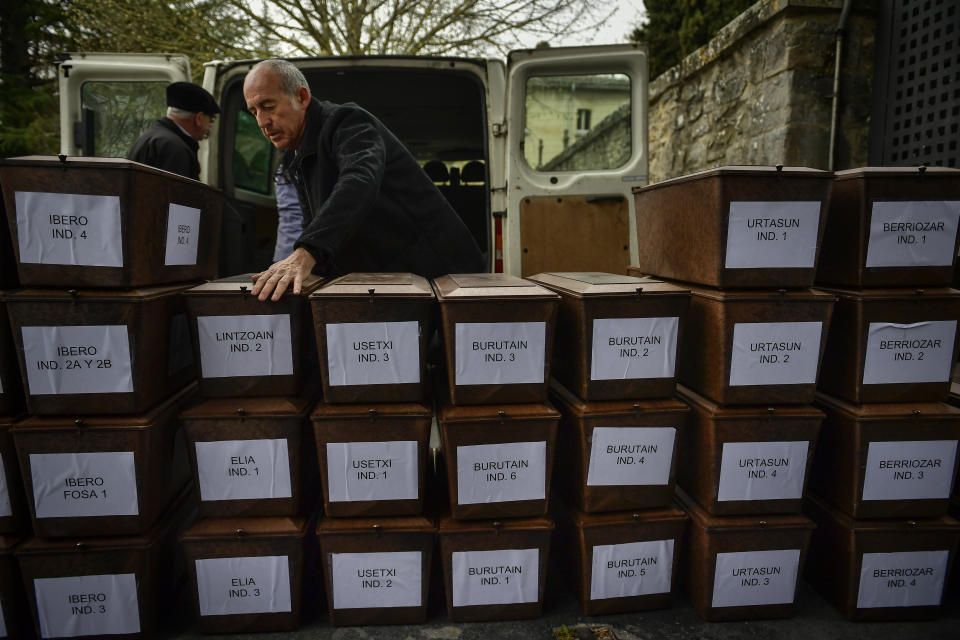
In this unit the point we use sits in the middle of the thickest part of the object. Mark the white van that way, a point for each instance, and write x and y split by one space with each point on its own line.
537 155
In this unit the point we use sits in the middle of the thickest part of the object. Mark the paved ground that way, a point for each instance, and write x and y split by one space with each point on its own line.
815 619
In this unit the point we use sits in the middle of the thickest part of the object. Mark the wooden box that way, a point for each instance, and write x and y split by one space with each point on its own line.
108 222
11 391
14 620
14 513
734 226
617 336
747 460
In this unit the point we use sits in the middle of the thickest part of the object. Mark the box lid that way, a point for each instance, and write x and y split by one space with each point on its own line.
242 284
762 295
126 296
366 411
894 294
748 171
449 525
7 543
486 413
252 407
244 528
914 411
898 172
98 164
740 523
376 526
489 286
722 412
946 524
585 409
104 422
597 284
366 285
638 517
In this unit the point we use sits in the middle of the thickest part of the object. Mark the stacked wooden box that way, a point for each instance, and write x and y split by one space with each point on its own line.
748 237
102 342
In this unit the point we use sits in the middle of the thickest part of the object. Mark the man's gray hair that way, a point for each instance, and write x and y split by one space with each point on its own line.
180 114
291 78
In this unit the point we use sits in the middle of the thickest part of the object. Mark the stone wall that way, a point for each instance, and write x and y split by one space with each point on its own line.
606 146
760 92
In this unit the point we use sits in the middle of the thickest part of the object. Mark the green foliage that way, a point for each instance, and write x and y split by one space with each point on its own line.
676 28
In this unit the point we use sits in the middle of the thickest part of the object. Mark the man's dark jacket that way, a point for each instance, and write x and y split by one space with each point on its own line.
371 207
165 146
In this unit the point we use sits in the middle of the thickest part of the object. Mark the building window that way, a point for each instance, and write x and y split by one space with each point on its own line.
583 120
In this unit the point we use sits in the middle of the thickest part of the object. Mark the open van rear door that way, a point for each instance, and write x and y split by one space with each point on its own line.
576 132
108 99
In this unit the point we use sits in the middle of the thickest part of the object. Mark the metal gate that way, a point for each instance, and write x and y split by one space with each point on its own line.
916 104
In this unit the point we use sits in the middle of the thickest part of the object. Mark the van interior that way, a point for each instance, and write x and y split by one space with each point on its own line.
438 113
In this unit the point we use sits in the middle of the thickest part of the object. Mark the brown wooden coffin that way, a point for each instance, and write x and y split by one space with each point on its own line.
747 460
108 222
247 574
94 352
891 227
494 569
245 347
14 620
115 587
377 570
498 459
734 226
880 569
103 474
891 345
11 391
618 455
886 460
373 458
372 332
617 335
497 333
8 263
743 567
14 513
754 347
252 457
622 561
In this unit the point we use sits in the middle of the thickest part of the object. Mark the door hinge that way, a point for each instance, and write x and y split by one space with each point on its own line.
499 129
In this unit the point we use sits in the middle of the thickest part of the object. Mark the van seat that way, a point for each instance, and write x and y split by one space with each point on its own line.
437 171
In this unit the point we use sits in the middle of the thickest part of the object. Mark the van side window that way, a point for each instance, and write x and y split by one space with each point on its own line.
577 123
251 156
121 112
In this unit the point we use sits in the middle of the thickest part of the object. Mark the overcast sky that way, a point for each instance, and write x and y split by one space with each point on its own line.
621 23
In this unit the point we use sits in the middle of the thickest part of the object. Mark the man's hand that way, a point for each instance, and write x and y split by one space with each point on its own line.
291 270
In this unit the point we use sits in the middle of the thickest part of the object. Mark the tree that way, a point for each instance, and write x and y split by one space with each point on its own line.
417 27
675 28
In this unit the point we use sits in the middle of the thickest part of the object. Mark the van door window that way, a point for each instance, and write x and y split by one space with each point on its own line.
577 123
251 156
122 111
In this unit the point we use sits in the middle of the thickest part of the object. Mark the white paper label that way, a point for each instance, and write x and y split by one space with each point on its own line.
762 470
5 508
76 485
630 348
255 584
750 578
372 471
503 472
631 569
630 456
500 352
373 353
912 470
775 353
913 234
80 359
69 228
373 580
772 234
902 579
233 346
99 605
919 352
183 235
504 576
243 469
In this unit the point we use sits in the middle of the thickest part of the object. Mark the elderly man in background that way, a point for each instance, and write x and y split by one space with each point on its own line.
368 204
172 143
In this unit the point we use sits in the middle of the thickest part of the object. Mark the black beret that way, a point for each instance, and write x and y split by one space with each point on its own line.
191 97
